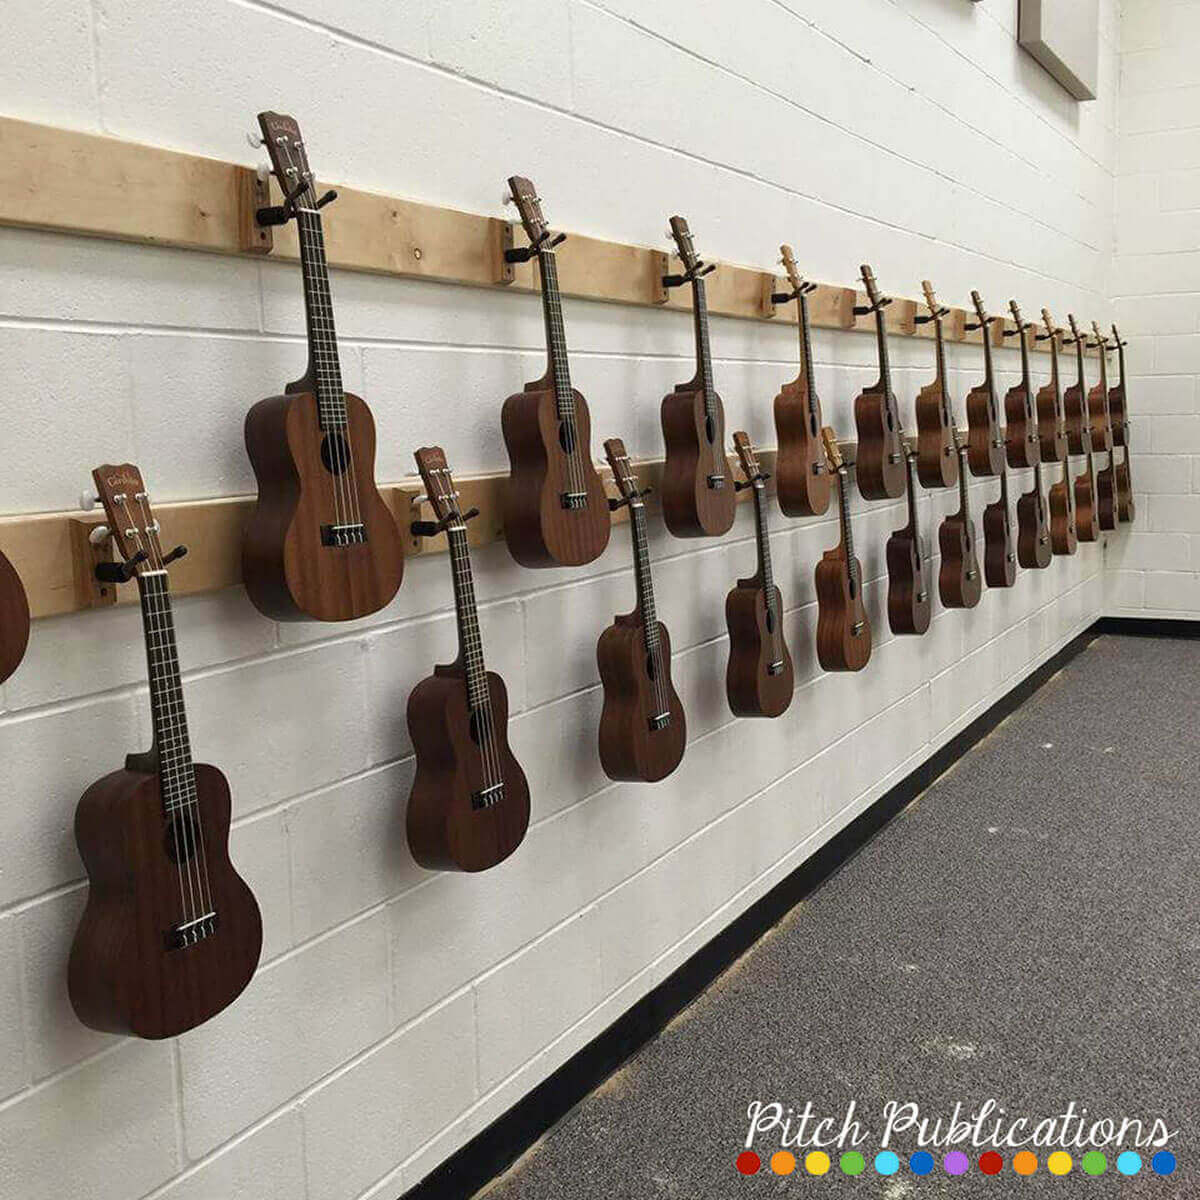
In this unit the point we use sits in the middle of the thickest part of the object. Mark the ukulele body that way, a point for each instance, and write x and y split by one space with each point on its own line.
880 465
14 619
999 554
289 571
1052 433
959 581
937 459
1063 539
446 831
1078 424
122 976
1021 448
1125 506
1033 533
985 446
694 454
1116 413
839 648
802 490
752 690
1087 527
1106 495
908 611
629 748
541 531
1102 434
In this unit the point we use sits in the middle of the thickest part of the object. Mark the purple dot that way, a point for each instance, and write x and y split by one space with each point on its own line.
956 1163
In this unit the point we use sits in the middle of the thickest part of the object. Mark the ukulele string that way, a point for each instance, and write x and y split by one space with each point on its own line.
649 621
576 478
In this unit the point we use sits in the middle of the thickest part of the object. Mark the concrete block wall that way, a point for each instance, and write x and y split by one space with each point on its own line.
397 1012
1156 285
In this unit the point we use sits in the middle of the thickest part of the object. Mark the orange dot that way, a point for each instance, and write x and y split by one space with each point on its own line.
783 1162
1024 1163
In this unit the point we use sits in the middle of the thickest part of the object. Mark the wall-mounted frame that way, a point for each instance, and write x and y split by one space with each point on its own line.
1064 36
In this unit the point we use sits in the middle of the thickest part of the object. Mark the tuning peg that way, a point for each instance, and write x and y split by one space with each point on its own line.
509 198
99 534
178 552
254 138
120 572
88 500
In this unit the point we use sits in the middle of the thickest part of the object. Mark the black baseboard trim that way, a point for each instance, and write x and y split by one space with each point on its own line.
498 1146
1170 627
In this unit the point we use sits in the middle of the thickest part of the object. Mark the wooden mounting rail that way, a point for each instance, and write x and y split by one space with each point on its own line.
82 183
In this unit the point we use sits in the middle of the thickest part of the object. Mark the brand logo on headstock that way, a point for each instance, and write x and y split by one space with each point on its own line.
122 479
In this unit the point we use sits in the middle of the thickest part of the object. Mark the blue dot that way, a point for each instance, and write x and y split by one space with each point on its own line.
921 1163
886 1163
1163 1163
1129 1162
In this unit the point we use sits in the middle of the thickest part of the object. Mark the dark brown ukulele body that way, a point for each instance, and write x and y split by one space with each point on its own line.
170 934
1052 417
14 619
937 459
1022 442
320 544
697 487
1102 436
880 464
555 507
985 437
999 550
959 581
1063 539
1075 404
759 678
643 732
802 483
1087 505
1033 525
910 603
1116 411
843 628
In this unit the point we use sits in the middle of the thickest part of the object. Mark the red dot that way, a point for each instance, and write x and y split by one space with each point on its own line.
748 1162
991 1163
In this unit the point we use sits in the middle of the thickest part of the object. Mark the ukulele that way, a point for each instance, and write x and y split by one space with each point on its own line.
843 629
642 728
1022 446
1052 417
1120 428
321 544
14 619
1106 477
697 493
759 679
985 438
1033 525
171 934
469 805
1063 539
555 507
999 553
937 459
959 582
881 461
1079 436
910 606
802 482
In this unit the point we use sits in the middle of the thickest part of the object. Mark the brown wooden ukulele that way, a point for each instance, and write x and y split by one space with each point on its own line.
1120 427
555 507
1022 443
1033 525
1079 436
171 933
843 628
697 488
802 481
1063 539
881 463
469 805
959 581
14 619
1102 432
999 551
759 679
985 437
937 458
642 728
321 544
1052 416
910 604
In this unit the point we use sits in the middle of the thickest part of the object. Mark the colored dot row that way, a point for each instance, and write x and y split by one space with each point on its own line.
955 1162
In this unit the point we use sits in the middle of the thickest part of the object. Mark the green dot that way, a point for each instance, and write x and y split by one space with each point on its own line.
1094 1163
852 1163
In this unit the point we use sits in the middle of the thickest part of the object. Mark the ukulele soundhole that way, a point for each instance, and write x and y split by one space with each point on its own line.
335 453
651 668
566 437
710 430
182 838
770 620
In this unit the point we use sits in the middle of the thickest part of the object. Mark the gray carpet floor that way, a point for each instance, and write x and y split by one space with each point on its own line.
1028 930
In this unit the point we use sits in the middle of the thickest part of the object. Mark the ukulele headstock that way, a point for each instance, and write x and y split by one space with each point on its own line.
1052 330
1015 309
1120 345
833 451
130 517
875 300
439 483
1075 335
980 312
747 457
622 469
1101 339
936 310
284 145
797 281
529 206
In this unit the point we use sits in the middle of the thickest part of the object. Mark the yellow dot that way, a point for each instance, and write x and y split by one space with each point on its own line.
816 1162
1024 1163
783 1162
1059 1163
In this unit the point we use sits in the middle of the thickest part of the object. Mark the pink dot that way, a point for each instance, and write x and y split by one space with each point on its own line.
956 1163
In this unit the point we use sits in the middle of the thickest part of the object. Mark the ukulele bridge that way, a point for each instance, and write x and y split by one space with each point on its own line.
660 721
343 535
188 933
894 457
818 468
574 500
487 797
921 597
775 667
716 482
857 628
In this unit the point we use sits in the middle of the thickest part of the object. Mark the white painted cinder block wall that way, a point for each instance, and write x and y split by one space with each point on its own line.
396 1013
1156 285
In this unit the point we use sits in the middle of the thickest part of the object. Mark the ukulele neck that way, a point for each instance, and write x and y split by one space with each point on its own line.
324 370
885 367
989 374
641 571
847 531
911 487
807 380
556 338
703 352
1024 365
766 578
470 644
964 492
172 748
